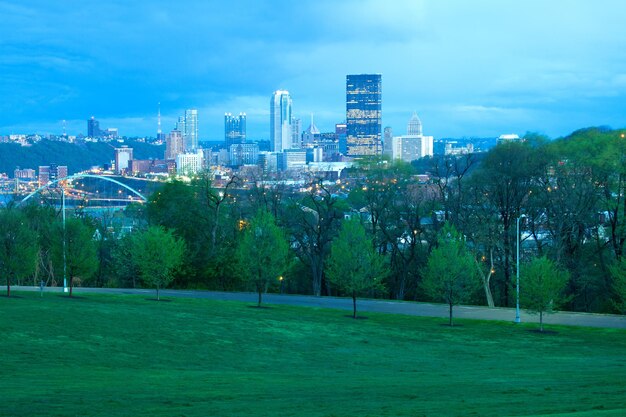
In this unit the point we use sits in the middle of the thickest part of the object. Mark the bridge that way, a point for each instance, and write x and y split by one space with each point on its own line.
70 178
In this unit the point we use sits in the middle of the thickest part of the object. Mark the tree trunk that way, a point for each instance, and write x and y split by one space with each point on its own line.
541 321
451 324
71 284
354 304
8 286
158 295
317 278
260 291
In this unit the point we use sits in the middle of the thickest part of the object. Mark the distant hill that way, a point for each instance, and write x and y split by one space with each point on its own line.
77 157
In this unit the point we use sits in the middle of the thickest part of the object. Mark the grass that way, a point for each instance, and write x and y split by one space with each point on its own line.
105 355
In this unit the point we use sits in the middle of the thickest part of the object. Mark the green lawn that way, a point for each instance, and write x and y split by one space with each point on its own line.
128 356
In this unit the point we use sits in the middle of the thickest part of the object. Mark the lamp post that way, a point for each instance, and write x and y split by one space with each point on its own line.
64 239
517 317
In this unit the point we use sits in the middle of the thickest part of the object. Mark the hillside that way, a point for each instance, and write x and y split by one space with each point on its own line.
77 157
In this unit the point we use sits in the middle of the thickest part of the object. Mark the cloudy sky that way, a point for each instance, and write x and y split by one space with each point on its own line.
469 68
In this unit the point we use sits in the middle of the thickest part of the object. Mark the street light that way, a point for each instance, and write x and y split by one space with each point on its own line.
517 317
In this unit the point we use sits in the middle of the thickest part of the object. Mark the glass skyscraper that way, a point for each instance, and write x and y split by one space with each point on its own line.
280 121
191 130
363 114
234 128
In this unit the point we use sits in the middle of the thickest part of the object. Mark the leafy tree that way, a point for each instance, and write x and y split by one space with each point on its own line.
157 253
354 265
450 274
618 272
44 221
262 252
542 286
313 223
18 246
76 253
505 179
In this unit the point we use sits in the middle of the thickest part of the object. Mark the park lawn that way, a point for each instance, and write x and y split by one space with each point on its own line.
124 355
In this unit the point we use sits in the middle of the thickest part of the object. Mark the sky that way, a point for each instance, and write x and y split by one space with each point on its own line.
468 68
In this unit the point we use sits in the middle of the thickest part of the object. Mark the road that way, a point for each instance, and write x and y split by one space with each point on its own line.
369 305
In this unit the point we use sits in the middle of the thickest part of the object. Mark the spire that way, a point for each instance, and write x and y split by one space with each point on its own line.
415 125
159 120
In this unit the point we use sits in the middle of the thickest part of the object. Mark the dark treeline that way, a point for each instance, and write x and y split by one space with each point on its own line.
566 195
77 156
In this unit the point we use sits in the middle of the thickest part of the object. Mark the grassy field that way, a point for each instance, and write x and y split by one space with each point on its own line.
128 356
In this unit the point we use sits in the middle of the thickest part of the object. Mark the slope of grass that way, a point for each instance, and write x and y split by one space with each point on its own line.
125 355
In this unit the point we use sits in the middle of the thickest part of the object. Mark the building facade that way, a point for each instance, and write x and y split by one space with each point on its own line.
189 163
243 154
123 156
174 144
411 147
191 130
93 128
280 121
363 115
234 128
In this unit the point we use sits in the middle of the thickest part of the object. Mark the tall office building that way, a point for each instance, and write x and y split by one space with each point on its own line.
123 156
363 114
234 128
412 146
414 126
280 121
296 128
387 141
191 130
340 134
174 144
93 128
311 136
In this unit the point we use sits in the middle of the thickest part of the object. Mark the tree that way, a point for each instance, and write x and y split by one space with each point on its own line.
18 246
262 252
505 179
450 274
76 252
618 272
354 265
313 224
542 285
157 253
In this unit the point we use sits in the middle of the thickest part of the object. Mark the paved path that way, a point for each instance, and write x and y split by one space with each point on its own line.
368 305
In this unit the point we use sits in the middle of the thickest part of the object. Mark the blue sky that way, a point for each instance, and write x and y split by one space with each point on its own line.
469 68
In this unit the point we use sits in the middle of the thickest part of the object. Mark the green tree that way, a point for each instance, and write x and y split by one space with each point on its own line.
18 246
313 223
157 253
262 253
542 286
505 178
354 265
618 272
450 274
76 252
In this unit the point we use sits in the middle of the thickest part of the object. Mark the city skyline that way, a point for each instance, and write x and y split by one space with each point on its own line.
479 69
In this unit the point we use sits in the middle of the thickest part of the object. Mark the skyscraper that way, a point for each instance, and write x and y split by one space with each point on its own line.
387 141
123 156
363 114
414 126
191 130
93 128
280 121
234 128
174 144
